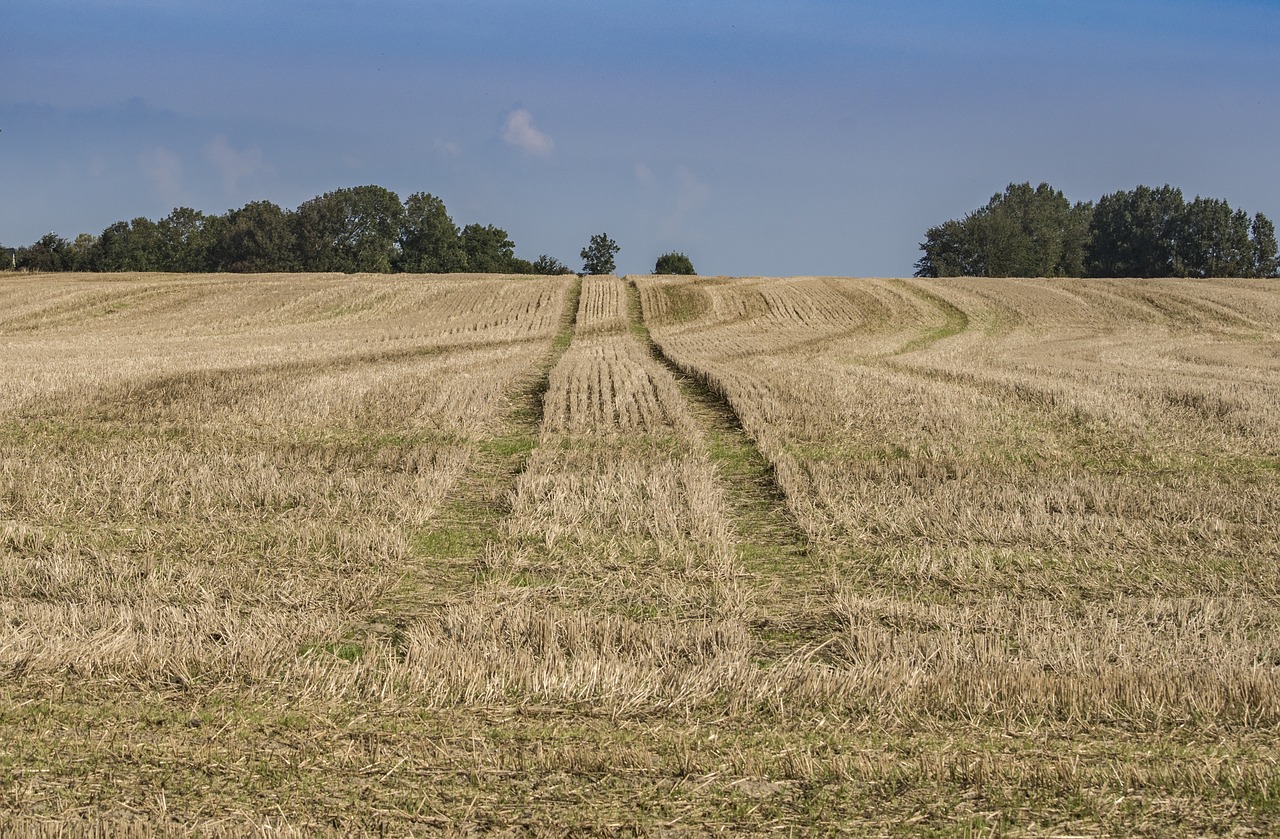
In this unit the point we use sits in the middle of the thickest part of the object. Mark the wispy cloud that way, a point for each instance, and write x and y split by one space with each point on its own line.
231 163
520 132
644 175
691 192
164 169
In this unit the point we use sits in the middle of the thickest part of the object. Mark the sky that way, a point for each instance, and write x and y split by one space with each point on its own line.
759 137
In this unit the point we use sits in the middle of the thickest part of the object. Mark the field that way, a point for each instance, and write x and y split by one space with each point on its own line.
295 555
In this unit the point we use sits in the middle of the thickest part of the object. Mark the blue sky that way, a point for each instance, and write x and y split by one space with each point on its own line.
757 136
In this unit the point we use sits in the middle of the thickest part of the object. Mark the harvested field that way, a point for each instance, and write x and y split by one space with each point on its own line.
1049 509
301 555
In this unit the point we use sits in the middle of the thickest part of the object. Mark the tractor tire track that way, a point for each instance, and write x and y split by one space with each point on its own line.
793 611
452 551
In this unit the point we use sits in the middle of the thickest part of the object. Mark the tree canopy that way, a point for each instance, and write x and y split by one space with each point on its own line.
487 248
545 264
257 238
356 229
1143 232
674 263
1022 232
597 256
349 230
429 240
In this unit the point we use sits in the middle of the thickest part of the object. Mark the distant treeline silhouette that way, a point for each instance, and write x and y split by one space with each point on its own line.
1144 232
357 229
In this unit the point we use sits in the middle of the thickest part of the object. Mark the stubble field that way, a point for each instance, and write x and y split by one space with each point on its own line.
306 555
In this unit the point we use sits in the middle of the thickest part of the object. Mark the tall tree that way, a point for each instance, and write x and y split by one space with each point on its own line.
50 252
349 230
83 253
598 255
950 250
489 250
1021 232
131 246
1134 233
1262 232
185 240
429 240
257 238
1212 240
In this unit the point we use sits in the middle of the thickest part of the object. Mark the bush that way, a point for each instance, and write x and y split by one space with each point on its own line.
674 263
550 265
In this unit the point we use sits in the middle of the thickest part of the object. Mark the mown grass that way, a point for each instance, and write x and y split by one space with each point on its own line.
539 581
1045 515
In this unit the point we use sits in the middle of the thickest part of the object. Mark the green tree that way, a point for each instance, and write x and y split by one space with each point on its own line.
1212 240
257 238
674 263
50 252
597 256
1262 233
488 249
545 264
1135 233
83 252
349 230
1021 232
429 240
1035 233
950 250
131 246
186 242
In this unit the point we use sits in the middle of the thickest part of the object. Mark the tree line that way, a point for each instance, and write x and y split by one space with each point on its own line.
356 229
1143 232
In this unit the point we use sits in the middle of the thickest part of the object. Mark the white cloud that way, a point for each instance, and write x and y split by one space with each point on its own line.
644 175
164 168
692 192
520 132
234 165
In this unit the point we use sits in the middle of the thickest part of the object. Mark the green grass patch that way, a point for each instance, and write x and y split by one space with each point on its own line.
516 445
955 321
345 650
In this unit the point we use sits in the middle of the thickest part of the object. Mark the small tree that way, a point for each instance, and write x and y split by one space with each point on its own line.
674 263
597 257
545 264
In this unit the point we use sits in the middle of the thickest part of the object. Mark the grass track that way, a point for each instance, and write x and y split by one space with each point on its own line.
452 549
788 577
